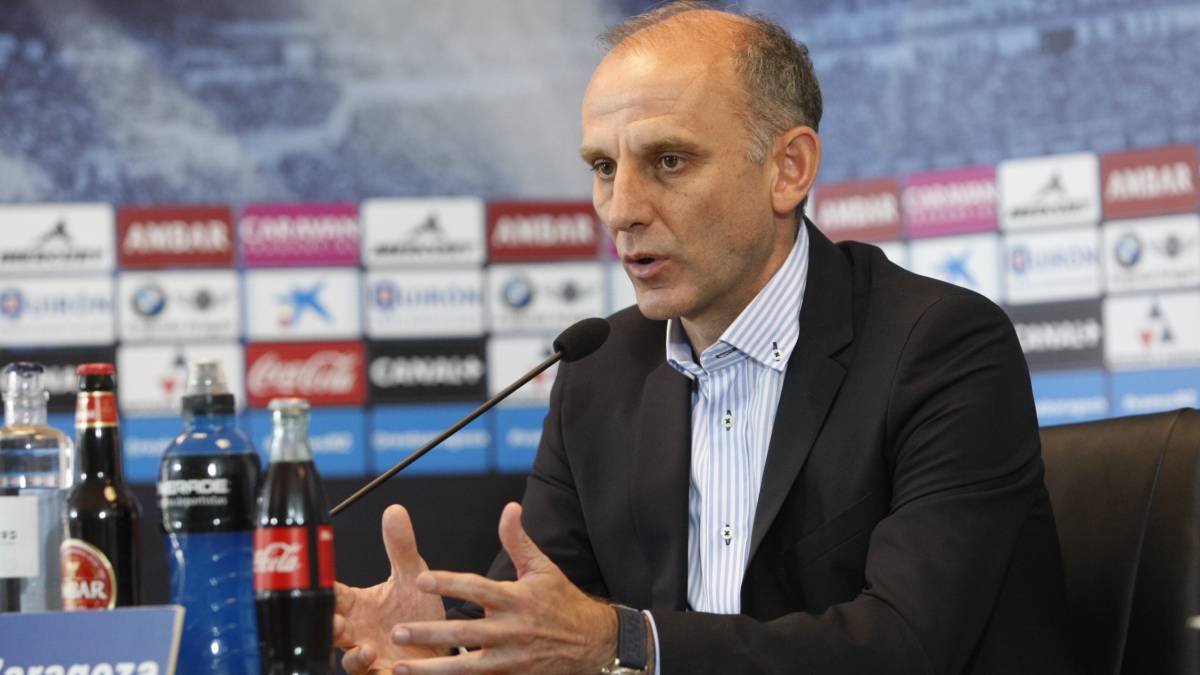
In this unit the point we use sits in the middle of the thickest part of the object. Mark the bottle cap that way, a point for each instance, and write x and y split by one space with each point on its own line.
22 379
288 405
95 369
206 391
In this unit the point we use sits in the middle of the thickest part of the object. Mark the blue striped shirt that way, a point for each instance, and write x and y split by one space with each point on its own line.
735 393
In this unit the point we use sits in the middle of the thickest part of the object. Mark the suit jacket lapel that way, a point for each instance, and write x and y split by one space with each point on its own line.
661 473
813 377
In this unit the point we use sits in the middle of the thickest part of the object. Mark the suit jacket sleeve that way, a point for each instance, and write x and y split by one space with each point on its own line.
966 463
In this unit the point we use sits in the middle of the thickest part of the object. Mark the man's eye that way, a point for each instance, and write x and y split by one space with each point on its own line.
604 168
671 162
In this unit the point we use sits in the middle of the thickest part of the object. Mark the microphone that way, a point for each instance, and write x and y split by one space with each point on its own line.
577 341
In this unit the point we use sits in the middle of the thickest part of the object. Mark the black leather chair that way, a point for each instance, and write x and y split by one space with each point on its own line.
1126 496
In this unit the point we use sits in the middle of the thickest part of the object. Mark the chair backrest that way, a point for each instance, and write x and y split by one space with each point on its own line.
1125 497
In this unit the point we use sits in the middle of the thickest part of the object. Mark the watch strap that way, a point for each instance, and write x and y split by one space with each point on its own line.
631 638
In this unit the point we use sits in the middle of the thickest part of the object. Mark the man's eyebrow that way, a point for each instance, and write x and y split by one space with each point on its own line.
590 153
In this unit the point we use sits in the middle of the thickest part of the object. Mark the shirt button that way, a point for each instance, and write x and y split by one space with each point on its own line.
776 354
728 419
727 534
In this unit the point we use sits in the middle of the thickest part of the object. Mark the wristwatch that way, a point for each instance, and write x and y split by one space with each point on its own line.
631 643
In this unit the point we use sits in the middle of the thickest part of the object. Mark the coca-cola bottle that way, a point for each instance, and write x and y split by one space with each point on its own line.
101 561
293 553
208 481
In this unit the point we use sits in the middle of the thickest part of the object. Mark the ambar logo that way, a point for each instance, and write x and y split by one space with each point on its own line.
541 230
864 210
175 236
1149 182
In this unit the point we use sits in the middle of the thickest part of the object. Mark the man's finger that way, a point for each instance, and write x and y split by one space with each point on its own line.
525 554
471 662
340 637
358 661
471 587
468 633
343 598
401 542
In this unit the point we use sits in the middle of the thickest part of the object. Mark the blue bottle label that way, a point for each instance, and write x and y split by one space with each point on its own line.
208 493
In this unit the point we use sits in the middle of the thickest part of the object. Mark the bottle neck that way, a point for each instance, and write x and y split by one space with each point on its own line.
203 422
289 438
25 411
98 453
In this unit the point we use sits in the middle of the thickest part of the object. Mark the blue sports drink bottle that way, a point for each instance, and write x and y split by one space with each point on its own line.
208 482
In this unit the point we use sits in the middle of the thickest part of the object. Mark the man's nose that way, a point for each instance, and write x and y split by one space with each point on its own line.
629 203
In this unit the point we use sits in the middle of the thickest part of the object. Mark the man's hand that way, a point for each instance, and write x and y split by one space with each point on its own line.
540 623
362 615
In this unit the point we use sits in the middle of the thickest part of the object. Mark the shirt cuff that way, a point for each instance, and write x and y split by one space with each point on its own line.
654 634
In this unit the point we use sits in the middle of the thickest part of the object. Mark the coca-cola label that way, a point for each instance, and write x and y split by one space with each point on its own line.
524 231
88 581
325 373
95 409
208 493
175 236
283 560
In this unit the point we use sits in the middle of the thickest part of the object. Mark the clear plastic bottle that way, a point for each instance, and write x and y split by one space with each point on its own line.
36 467
208 482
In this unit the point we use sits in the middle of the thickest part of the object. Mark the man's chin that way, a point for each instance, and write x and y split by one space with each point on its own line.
656 310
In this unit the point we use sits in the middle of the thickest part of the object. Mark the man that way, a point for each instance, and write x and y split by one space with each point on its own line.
832 467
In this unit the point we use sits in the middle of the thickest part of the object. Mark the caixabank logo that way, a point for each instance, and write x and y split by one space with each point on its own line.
416 371
325 373
955 201
533 231
302 304
1149 182
1052 191
172 306
175 236
283 235
1060 334
60 311
969 260
867 210
56 238
1152 253
424 302
543 297
406 232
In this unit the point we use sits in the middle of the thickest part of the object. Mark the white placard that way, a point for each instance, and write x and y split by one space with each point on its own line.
19 537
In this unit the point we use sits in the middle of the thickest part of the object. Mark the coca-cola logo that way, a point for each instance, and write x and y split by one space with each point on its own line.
278 557
324 373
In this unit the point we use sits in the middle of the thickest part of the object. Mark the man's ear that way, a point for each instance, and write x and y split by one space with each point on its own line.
797 156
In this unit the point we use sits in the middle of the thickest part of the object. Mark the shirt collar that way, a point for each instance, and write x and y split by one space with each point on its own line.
766 330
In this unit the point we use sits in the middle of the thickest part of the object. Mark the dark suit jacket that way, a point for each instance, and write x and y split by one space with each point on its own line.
903 525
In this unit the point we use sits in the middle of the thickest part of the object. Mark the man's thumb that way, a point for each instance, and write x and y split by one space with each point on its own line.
524 554
401 542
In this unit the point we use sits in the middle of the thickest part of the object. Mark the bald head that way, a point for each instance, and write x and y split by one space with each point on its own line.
778 87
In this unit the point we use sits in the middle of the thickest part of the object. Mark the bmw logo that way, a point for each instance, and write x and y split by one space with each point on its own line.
149 300
518 292
11 302
1128 250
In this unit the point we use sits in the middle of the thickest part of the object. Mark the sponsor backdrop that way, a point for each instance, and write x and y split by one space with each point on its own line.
395 228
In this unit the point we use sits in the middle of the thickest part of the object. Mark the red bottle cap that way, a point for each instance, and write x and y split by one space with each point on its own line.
95 369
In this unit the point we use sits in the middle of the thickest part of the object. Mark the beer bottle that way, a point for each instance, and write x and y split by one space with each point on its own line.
101 559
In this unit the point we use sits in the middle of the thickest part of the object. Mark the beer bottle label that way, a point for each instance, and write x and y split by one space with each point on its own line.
208 493
95 409
88 581
283 560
